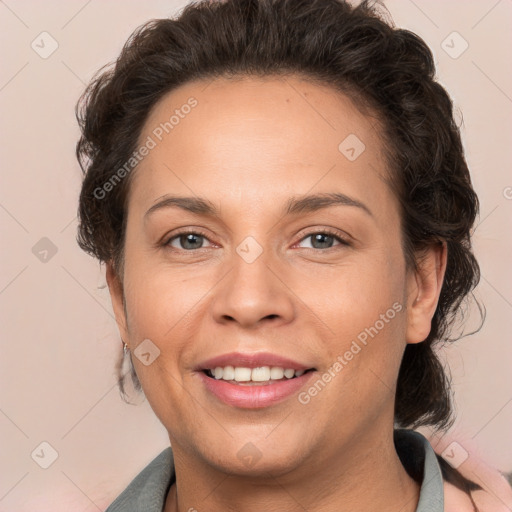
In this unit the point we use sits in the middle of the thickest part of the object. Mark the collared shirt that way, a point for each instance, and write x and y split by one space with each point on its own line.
148 490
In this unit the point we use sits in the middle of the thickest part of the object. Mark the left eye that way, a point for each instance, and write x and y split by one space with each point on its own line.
323 240
188 241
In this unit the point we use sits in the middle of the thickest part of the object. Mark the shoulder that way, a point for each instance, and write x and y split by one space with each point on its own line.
495 494
456 500
147 491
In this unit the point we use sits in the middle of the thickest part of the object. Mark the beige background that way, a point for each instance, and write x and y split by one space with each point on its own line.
59 341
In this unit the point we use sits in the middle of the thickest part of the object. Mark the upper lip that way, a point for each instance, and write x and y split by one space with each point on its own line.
254 360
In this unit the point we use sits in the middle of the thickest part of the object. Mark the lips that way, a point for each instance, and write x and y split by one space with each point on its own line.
255 360
253 395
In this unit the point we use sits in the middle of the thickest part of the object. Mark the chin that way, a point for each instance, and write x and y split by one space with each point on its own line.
256 456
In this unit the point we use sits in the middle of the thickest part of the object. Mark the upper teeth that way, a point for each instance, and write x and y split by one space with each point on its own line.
260 374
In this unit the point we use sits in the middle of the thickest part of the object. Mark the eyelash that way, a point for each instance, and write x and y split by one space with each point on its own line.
329 232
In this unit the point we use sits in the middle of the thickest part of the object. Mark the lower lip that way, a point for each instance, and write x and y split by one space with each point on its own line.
254 396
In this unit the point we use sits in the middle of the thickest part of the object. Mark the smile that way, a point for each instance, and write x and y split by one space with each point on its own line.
250 376
250 394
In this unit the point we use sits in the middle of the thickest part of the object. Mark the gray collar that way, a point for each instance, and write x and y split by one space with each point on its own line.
420 461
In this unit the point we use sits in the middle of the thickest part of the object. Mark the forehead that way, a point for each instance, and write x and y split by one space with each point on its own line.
244 134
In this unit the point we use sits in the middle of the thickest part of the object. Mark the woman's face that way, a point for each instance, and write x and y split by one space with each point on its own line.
258 278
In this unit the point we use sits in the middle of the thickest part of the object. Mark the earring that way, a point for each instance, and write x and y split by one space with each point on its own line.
126 348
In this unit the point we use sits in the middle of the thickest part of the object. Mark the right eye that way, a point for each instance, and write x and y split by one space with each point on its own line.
188 240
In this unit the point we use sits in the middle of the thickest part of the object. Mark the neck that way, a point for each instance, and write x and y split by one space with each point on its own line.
366 475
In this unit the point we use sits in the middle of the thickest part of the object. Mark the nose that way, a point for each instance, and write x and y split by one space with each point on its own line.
253 293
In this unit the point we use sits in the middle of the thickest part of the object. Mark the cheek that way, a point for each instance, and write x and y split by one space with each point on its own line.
160 298
166 305
367 290
362 307
162 307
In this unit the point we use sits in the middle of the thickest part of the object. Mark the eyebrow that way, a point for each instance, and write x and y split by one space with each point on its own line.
294 205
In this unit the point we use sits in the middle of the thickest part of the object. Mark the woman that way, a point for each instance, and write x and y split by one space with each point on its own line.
279 192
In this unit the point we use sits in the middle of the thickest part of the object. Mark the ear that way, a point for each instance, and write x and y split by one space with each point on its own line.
423 290
115 287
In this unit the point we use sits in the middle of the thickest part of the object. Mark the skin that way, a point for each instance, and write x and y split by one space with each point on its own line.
248 146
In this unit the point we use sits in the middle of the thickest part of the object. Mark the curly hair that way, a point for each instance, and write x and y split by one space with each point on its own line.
387 71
